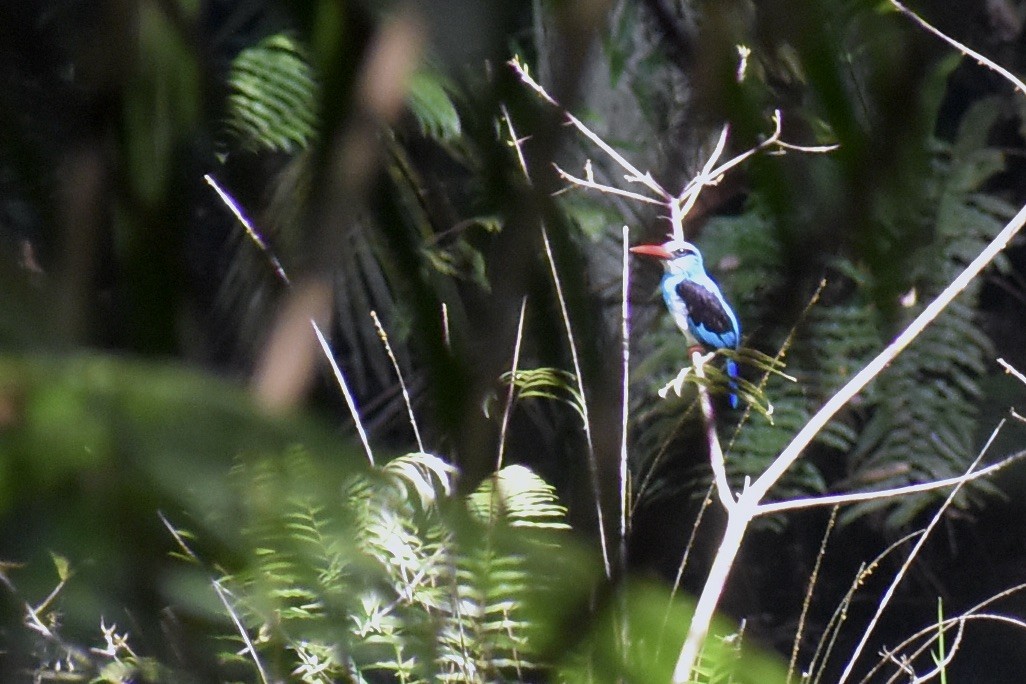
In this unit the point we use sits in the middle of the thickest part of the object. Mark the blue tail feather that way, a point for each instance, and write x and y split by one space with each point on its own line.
732 372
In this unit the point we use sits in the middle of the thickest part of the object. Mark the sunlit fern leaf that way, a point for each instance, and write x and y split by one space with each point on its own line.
272 99
380 582
424 474
493 584
520 498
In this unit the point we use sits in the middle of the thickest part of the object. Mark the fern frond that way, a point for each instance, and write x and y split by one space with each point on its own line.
547 383
272 101
924 416
520 498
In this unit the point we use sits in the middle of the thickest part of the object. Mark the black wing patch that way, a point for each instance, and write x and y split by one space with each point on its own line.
704 308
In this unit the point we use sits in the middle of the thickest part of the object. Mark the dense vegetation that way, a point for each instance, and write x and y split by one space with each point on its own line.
313 359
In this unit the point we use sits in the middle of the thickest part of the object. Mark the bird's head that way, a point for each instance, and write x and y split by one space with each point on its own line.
678 256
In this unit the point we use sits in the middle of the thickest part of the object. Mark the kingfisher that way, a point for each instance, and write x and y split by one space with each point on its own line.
694 299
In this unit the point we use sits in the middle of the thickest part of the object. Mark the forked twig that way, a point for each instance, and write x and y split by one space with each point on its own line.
885 600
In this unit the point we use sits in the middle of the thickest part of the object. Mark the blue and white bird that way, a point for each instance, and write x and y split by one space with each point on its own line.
694 299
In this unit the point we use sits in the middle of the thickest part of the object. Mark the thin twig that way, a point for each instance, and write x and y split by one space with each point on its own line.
222 594
858 497
253 234
625 349
885 600
683 203
809 591
512 389
1011 370
971 613
399 374
825 646
634 175
607 189
716 459
344 386
964 49
446 338
592 459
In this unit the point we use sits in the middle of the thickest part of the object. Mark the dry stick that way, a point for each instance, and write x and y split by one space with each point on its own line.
825 647
949 653
568 328
633 174
592 460
908 561
748 503
512 390
903 664
234 207
624 474
398 373
1012 371
681 205
625 339
255 236
964 49
222 594
810 589
969 613
446 339
344 386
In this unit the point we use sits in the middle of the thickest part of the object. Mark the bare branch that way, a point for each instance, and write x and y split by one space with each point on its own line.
607 189
964 49
634 174
859 497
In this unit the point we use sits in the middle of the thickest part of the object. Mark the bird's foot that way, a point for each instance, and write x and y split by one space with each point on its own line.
677 384
702 358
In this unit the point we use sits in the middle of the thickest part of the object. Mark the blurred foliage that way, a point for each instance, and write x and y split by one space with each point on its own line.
124 272
383 581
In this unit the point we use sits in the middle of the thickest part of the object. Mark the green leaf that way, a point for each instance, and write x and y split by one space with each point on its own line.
430 104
